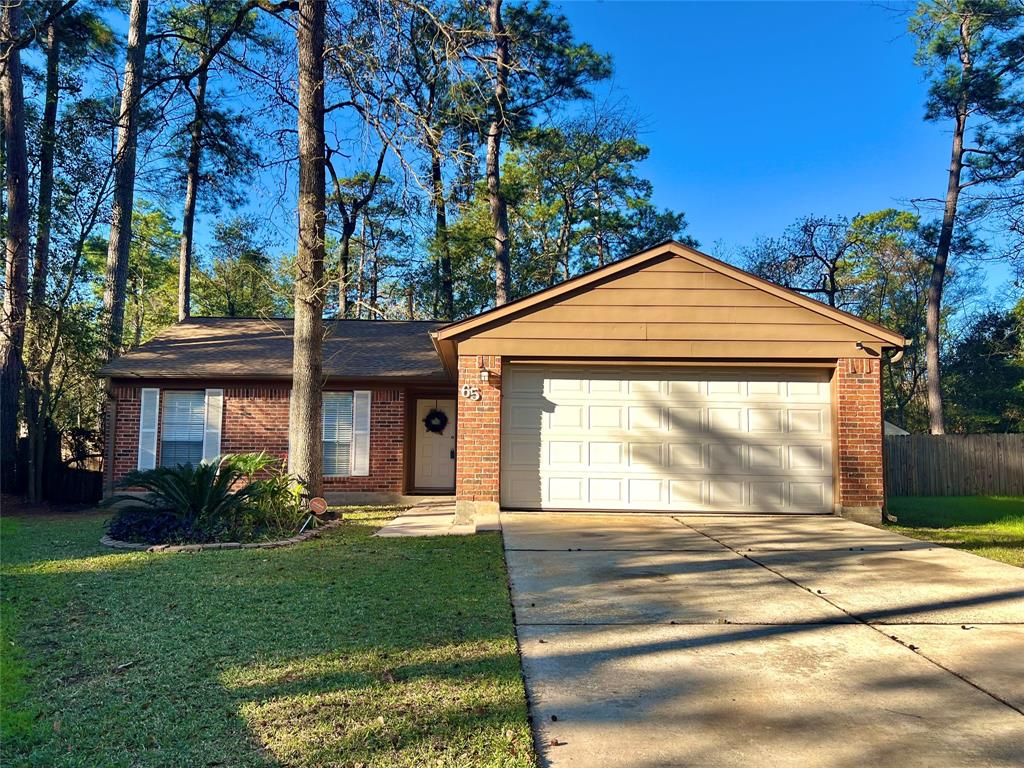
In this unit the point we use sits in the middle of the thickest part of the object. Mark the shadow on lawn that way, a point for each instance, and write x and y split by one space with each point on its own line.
339 651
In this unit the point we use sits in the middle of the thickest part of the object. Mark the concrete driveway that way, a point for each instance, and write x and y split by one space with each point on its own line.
749 641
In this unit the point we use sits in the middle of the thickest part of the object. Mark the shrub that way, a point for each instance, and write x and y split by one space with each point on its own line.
239 497
149 526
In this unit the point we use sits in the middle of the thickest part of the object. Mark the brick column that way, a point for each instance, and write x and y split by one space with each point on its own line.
478 455
858 404
124 433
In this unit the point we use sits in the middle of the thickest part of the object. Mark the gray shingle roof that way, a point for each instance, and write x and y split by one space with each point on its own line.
214 347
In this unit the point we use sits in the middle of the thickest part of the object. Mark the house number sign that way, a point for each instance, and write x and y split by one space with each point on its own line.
470 392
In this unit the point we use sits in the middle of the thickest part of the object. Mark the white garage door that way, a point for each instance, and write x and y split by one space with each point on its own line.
658 439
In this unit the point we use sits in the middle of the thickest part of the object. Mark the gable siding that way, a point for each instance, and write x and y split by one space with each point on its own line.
671 308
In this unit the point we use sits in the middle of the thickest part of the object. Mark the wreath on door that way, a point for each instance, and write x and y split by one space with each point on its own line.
435 421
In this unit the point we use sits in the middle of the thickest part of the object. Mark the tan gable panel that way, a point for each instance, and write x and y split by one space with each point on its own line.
581 313
668 302
672 301
666 350
669 331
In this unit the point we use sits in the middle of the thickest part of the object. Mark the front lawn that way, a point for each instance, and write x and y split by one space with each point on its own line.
342 651
990 526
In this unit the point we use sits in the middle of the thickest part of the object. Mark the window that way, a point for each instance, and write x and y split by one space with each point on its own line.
181 434
337 434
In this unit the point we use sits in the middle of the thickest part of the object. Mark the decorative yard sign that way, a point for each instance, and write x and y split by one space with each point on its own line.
318 505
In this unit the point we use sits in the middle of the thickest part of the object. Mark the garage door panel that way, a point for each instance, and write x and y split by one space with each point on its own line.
563 452
605 492
655 439
645 492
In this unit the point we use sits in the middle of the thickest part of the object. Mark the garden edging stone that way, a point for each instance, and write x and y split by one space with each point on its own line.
312 533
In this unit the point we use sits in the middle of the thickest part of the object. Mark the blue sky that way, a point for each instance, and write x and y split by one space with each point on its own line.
757 113
760 112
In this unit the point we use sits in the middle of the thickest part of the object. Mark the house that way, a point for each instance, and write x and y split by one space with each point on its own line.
668 381
888 428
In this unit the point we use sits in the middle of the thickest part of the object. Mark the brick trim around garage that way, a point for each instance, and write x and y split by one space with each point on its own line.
858 440
478 462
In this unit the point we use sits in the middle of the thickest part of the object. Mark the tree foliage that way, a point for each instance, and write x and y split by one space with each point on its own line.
467 162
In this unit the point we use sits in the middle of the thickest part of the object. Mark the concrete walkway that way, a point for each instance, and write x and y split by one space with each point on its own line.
434 517
763 641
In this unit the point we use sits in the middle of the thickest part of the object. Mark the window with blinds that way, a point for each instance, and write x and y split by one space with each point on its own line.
181 434
337 433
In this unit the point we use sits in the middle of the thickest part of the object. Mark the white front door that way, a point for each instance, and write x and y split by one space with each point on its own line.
435 451
642 439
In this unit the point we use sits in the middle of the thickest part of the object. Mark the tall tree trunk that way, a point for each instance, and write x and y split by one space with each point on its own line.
599 239
496 198
305 431
16 246
933 306
344 273
410 302
195 149
36 384
47 145
374 282
361 280
441 232
124 178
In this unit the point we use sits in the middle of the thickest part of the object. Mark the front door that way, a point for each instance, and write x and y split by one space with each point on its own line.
435 445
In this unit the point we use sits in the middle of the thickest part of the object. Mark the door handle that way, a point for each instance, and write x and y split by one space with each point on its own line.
453 453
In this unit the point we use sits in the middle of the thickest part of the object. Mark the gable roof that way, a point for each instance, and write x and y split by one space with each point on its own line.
261 348
668 302
668 249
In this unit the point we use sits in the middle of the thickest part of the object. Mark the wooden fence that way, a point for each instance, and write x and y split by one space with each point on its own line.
954 465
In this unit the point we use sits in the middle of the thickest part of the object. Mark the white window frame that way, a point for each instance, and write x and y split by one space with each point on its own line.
359 433
151 424
168 396
324 427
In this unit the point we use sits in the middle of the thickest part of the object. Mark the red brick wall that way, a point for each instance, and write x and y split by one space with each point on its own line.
125 406
387 440
479 435
256 419
858 396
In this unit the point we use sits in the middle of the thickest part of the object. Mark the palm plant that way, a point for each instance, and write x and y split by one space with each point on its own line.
210 500
199 495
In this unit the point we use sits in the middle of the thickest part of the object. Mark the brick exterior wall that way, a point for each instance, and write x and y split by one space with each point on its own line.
858 405
256 419
477 479
123 414
387 447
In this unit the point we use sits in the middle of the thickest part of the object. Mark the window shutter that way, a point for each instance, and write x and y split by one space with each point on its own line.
361 433
149 411
212 424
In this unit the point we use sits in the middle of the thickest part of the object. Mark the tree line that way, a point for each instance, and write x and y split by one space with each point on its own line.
439 157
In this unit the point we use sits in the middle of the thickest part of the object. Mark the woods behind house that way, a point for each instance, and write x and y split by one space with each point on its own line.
385 159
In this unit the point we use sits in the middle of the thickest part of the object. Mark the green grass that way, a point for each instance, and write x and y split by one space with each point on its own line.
990 526
342 651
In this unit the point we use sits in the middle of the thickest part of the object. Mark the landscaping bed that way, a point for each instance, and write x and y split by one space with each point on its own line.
233 499
989 526
343 650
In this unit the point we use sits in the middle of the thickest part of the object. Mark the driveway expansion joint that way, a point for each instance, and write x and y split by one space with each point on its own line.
879 628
